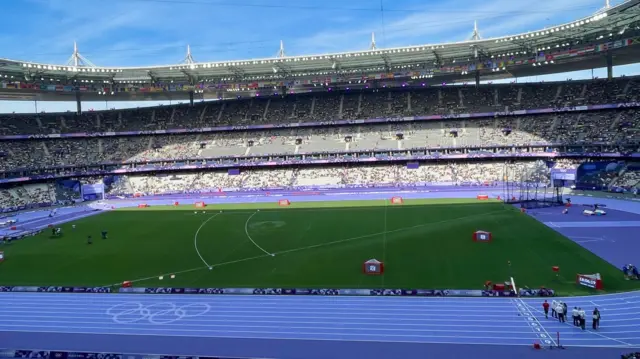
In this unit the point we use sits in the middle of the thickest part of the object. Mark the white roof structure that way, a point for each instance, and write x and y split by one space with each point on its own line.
610 23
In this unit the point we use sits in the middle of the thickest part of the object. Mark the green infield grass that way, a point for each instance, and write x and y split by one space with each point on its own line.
424 244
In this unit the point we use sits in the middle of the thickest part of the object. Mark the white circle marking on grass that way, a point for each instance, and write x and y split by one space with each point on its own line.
246 231
319 245
195 239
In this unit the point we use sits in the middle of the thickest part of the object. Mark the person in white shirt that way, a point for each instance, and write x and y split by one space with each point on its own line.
554 305
582 318
561 313
576 316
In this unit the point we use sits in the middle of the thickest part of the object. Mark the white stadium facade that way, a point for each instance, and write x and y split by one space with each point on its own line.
610 37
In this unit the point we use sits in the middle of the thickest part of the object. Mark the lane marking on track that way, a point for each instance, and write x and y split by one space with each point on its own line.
586 330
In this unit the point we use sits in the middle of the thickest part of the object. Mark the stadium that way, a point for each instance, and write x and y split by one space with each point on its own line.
383 203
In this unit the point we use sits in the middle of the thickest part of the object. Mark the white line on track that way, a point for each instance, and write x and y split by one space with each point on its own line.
590 331
195 238
275 308
500 343
482 324
354 340
534 323
246 231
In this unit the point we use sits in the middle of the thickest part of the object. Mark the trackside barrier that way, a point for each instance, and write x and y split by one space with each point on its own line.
546 292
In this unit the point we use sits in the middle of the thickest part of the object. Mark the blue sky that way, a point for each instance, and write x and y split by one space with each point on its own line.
156 32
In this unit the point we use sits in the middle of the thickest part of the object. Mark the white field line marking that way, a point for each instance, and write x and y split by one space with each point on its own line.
195 238
387 232
586 330
317 246
246 231
384 240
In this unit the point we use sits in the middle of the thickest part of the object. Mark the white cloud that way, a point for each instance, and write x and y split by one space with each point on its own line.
436 24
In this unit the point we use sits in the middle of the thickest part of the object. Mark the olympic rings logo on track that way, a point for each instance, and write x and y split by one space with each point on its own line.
157 313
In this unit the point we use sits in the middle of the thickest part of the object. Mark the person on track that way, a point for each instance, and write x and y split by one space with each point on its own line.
561 312
576 316
545 306
582 318
596 319
554 305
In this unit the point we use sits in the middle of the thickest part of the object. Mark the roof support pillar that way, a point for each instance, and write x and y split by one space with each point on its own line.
191 98
477 76
609 66
78 103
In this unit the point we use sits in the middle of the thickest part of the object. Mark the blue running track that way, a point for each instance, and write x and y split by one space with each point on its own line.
279 326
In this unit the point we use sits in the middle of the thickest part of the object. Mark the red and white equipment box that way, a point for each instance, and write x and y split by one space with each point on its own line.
483 197
590 280
200 204
482 236
397 200
373 267
284 202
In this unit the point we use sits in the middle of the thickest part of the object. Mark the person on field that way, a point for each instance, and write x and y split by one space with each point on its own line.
89 239
545 306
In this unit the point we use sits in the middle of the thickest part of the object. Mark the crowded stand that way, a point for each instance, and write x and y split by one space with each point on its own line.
450 173
615 126
332 105
610 128
618 175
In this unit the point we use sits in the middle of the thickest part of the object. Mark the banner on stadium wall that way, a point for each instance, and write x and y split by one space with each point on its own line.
564 174
288 291
43 354
342 292
92 192
54 289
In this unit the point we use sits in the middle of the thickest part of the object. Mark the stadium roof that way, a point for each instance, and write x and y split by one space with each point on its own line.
605 25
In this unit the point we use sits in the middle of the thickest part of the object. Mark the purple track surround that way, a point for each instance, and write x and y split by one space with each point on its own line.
338 327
